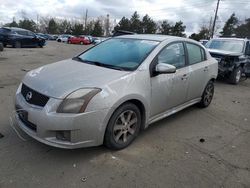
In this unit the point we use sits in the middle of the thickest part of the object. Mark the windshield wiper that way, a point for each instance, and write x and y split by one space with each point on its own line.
77 59
104 65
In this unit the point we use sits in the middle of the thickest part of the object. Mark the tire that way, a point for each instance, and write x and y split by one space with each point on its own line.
4 45
17 44
235 76
59 40
81 43
207 95
1 46
123 127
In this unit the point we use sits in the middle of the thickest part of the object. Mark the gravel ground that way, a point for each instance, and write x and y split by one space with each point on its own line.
194 148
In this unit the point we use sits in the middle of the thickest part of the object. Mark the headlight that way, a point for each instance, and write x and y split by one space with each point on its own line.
77 101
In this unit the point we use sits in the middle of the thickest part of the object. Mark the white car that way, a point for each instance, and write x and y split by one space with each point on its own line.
111 92
63 38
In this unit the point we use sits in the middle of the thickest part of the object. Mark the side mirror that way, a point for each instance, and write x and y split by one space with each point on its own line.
162 68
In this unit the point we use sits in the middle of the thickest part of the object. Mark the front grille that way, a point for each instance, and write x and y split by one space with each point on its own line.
33 97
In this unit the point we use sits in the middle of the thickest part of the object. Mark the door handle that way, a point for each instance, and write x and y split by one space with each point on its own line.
206 69
184 77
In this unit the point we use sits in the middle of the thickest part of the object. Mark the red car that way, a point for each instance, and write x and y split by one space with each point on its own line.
79 40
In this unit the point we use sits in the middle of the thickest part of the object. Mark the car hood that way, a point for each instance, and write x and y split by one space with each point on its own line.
224 53
59 79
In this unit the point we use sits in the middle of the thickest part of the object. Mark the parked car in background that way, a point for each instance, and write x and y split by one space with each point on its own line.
96 40
54 37
110 92
63 38
203 42
18 37
46 36
90 38
79 40
233 55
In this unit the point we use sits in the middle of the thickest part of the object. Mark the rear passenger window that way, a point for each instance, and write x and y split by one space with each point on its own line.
195 53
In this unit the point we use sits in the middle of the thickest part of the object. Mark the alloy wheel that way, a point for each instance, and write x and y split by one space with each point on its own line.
208 95
238 76
125 126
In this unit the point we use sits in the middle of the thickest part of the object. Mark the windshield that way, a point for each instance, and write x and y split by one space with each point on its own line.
226 45
122 54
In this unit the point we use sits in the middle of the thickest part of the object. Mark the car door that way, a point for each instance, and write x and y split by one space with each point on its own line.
170 90
199 70
33 40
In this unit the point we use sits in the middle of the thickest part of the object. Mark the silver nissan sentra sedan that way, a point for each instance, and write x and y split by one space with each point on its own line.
112 91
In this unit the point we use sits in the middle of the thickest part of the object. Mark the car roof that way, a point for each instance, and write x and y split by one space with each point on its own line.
155 37
15 28
231 38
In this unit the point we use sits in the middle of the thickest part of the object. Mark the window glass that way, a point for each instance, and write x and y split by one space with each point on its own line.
194 53
120 52
30 33
230 45
173 55
22 32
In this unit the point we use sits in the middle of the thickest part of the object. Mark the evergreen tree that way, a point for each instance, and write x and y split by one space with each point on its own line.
204 33
27 24
97 30
52 26
243 30
178 29
77 29
230 26
136 24
124 24
148 24
165 28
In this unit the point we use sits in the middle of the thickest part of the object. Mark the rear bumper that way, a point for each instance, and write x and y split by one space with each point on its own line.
84 130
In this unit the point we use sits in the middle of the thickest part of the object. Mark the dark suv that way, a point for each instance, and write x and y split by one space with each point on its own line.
18 37
233 56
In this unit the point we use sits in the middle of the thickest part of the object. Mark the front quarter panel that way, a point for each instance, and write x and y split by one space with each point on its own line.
135 85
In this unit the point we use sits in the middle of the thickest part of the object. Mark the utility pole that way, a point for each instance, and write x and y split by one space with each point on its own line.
107 26
215 17
86 19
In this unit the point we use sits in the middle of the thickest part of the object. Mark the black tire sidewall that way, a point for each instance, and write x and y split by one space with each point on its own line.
109 140
202 102
232 77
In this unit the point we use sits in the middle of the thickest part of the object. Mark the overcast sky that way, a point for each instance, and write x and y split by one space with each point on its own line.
194 13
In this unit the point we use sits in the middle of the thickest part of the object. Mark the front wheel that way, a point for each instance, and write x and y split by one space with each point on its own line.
17 44
207 95
123 127
235 76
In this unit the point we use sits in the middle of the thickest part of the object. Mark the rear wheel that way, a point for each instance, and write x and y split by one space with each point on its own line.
235 76
1 46
207 95
17 44
123 127
59 40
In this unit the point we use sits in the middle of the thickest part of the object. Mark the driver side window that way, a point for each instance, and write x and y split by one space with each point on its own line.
173 54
